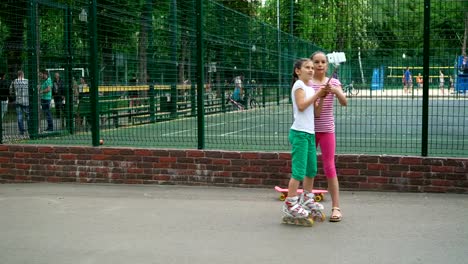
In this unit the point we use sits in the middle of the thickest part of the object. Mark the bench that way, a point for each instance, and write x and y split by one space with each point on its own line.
119 110
112 110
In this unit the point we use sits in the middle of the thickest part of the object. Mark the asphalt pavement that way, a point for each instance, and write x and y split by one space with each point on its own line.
85 224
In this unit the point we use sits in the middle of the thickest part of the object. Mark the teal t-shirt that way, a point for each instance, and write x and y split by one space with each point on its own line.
44 85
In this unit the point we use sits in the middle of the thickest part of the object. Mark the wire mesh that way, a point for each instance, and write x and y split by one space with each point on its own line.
147 75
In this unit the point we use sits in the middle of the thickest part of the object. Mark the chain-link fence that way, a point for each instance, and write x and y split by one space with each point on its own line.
164 74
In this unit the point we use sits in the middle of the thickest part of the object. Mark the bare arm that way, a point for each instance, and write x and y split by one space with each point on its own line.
46 90
318 107
302 103
339 95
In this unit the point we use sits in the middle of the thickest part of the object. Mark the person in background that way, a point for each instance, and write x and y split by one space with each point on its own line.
45 92
464 65
82 88
441 81
20 89
452 87
237 95
419 81
59 93
325 127
4 93
408 80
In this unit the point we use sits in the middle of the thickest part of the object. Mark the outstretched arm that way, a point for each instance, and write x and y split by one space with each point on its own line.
318 107
339 95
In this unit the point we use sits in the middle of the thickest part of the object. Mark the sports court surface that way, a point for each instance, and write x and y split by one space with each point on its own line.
386 123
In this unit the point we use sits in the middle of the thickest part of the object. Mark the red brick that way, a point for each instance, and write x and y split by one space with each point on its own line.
389 160
231 155
167 159
413 174
53 179
442 169
68 156
23 166
177 153
369 186
255 181
161 153
143 152
183 160
45 149
348 172
441 183
22 155
376 166
269 156
213 154
222 161
377 180
410 161
110 151
368 159
222 173
132 181
252 168
249 156
353 178
195 153
99 157
438 189
347 158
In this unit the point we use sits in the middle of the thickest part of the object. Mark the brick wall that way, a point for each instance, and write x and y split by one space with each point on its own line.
31 163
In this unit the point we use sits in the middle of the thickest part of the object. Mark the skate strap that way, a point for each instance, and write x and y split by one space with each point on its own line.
295 208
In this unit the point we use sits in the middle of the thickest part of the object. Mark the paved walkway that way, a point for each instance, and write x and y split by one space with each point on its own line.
70 223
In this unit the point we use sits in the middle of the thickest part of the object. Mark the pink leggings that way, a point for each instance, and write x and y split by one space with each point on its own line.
326 142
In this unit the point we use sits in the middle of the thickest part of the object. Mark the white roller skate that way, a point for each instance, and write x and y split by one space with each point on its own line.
313 208
294 214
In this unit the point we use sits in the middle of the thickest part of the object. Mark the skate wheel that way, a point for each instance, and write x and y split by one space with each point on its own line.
318 198
282 197
322 196
309 222
323 216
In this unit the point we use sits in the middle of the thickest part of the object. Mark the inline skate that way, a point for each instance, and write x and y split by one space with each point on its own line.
295 214
314 208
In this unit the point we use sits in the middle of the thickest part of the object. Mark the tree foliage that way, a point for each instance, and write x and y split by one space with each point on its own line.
147 32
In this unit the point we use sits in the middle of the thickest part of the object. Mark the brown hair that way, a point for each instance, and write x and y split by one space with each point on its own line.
297 65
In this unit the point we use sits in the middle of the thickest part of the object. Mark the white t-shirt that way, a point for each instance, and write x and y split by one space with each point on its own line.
21 88
303 121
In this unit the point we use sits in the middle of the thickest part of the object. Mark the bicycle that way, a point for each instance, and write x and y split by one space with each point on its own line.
241 104
350 90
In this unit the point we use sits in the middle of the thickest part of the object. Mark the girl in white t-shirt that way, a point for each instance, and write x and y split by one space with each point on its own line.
306 105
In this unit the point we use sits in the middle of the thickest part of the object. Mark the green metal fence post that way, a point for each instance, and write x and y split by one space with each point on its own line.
68 72
200 74
152 104
1 124
173 22
426 58
94 73
33 121
278 33
193 101
223 97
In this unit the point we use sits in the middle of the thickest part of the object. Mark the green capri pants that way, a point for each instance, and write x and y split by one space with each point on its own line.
303 155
